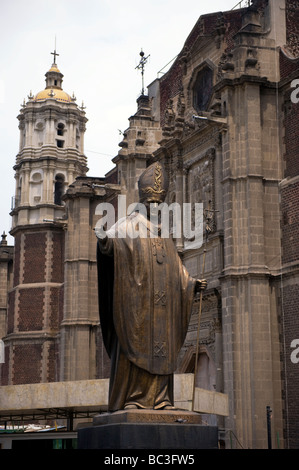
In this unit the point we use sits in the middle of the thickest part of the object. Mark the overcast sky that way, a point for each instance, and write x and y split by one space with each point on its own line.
98 42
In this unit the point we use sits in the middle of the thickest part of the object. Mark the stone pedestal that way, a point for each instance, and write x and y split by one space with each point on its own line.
148 429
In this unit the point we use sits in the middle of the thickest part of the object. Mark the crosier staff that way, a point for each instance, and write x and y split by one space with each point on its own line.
208 217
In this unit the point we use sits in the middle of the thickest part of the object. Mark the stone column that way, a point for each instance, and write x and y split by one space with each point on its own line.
249 323
78 338
25 185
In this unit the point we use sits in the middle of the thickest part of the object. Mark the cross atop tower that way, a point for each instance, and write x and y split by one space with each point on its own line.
54 54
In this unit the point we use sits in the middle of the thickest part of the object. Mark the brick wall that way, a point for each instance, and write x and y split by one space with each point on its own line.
289 70
291 331
31 309
34 257
4 368
288 66
27 364
53 362
16 262
56 307
11 311
39 258
58 256
170 86
290 222
291 121
233 22
112 177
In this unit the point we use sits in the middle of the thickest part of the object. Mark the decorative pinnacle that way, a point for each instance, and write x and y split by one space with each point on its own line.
3 241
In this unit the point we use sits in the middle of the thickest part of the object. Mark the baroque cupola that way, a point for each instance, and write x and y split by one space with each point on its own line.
51 152
53 88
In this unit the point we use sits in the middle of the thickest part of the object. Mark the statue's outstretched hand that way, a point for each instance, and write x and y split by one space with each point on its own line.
201 285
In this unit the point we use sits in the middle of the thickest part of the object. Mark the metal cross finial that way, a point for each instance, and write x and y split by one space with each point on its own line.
140 66
55 53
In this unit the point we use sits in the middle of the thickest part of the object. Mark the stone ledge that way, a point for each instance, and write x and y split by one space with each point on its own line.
92 395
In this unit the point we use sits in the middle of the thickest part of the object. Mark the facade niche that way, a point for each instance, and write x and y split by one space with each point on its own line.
36 182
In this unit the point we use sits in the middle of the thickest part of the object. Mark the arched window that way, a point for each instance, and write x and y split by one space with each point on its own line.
60 129
59 184
202 89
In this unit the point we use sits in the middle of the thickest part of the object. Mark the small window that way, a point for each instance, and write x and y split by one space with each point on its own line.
60 143
59 183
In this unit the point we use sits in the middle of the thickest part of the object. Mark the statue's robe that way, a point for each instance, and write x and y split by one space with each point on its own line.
145 302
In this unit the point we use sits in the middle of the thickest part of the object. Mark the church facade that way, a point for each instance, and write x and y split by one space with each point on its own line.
224 122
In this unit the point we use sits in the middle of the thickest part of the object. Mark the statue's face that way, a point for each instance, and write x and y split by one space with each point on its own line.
152 209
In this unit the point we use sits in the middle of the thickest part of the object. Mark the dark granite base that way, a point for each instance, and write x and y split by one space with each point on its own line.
161 432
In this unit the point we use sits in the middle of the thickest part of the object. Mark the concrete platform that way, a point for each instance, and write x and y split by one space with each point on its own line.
148 429
148 416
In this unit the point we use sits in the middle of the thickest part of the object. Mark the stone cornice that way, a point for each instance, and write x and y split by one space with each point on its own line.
248 272
55 225
253 79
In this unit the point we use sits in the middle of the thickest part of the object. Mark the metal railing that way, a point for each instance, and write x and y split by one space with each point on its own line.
243 4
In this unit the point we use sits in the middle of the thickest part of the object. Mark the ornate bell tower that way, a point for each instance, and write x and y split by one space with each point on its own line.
51 152
51 156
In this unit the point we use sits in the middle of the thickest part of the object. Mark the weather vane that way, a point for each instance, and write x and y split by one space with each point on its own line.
140 66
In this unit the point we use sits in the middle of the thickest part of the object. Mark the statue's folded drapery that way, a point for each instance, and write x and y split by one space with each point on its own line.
145 302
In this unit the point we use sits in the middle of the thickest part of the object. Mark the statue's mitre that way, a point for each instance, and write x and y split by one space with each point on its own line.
153 184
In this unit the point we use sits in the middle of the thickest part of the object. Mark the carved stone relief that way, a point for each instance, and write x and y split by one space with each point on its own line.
209 325
200 182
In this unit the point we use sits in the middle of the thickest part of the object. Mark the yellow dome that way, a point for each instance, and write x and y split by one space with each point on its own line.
54 68
53 93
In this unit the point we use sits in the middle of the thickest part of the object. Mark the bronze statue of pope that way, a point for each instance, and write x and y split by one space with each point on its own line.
145 302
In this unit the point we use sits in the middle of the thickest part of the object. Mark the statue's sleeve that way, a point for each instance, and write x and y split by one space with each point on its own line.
106 246
105 264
